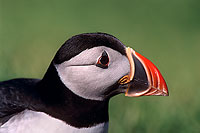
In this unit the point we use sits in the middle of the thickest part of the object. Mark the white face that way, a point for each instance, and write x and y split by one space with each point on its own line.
81 75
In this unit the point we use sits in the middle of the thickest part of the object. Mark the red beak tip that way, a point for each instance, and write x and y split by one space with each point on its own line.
166 94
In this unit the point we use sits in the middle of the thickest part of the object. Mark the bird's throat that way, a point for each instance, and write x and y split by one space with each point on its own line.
63 104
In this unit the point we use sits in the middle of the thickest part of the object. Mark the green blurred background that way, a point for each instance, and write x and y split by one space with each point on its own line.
165 31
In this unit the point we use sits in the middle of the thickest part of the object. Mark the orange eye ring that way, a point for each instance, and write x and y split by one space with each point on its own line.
103 61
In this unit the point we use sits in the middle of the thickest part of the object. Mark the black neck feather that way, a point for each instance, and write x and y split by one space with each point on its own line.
63 104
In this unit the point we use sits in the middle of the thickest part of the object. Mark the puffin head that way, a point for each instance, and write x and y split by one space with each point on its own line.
97 66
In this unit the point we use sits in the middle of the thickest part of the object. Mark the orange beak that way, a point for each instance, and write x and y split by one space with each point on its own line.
144 78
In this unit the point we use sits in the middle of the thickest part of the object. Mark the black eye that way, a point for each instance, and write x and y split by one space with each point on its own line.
103 61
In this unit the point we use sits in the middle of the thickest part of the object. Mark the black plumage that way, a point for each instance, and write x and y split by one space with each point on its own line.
51 96
81 42
16 95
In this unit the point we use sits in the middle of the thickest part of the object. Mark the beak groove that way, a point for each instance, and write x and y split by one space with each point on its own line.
150 83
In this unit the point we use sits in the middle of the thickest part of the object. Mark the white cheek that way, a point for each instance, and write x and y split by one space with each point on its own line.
90 82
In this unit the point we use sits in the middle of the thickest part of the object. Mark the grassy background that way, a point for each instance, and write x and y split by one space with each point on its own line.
165 31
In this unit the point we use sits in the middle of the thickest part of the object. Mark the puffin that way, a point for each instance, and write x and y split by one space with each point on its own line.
74 93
